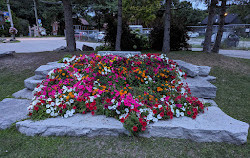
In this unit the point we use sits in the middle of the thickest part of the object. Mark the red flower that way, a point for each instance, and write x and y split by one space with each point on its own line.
189 112
87 105
140 120
108 100
143 128
93 103
122 120
143 123
92 112
95 108
74 107
194 116
36 108
91 108
162 114
83 112
135 128
79 99
154 111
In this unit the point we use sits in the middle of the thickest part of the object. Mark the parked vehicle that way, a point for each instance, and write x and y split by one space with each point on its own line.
229 39
192 34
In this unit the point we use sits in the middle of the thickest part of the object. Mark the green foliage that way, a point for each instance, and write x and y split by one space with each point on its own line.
103 48
190 15
242 11
142 10
131 40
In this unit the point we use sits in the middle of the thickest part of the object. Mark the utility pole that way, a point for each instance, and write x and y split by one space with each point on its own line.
37 25
11 21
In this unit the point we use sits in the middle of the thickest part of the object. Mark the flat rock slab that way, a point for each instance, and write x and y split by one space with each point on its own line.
190 69
120 53
23 94
45 69
212 126
201 88
32 82
12 110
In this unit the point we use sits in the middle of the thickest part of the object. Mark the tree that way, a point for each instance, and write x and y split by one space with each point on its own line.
209 31
217 43
166 39
144 10
70 38
119 27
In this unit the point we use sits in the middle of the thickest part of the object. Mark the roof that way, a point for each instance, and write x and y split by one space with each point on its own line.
228 20
83 21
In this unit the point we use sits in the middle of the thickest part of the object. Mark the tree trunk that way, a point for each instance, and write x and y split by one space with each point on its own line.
209 31
166 39
217 43
119 27
70 34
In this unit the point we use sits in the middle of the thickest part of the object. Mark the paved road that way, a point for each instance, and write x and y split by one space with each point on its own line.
198 41
231 53
30 45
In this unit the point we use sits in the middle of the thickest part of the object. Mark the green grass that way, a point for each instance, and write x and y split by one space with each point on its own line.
233 83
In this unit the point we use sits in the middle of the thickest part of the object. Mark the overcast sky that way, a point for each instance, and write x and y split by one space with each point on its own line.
197 5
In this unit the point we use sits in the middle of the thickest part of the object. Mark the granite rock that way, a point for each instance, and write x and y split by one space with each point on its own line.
12 110
23 94
120 53
190 69
31 82
212 126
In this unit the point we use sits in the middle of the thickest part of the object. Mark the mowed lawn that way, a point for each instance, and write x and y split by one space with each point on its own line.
233 97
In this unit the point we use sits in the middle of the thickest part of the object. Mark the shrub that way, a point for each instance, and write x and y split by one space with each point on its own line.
104 48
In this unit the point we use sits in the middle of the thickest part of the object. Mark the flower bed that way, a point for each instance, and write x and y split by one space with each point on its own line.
136 90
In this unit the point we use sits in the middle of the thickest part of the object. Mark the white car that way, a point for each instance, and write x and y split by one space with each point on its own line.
192 34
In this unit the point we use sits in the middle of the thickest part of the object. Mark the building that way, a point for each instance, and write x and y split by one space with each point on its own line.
229 19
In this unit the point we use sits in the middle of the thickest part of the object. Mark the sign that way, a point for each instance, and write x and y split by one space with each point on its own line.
39 22
6 16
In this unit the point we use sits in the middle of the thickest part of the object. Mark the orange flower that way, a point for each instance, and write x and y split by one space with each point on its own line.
63 74
159 89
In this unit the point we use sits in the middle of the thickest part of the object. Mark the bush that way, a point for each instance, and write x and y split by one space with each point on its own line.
104 48
178 35
130 40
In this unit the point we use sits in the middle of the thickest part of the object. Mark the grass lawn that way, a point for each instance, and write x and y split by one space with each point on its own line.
233 83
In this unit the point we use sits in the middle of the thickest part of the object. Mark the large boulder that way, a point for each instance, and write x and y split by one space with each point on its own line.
45 69
190 69
32 82
23 94
212 126
87 48
12 110
120 53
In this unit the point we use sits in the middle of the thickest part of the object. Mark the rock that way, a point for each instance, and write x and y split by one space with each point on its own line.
31 82
61 49
12 110
212 102
87 48
9 53
190 69
78 125
212 126
204 70
210 78
52 63
23 94
121 53
201 88
45 69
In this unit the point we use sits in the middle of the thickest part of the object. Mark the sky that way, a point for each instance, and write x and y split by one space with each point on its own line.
197 5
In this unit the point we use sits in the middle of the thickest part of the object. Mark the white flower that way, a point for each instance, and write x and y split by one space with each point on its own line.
155 119
47 106
146 82
52 114
118 112
71 101
48 111
65 115
127 110
159 116
182 113
113 100
49 99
